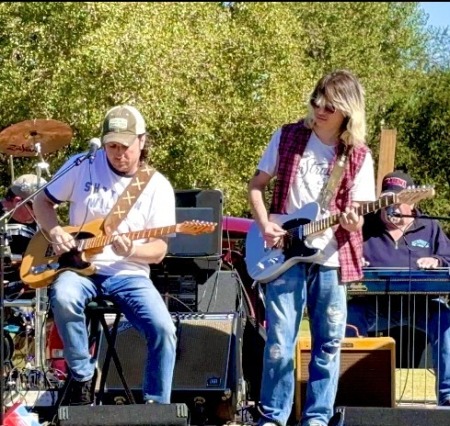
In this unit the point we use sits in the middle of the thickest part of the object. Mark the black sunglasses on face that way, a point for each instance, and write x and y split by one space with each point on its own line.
329 108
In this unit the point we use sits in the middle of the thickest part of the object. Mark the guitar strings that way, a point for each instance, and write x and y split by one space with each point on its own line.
361 210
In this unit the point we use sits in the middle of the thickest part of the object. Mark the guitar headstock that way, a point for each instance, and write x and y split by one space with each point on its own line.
195 227
412 195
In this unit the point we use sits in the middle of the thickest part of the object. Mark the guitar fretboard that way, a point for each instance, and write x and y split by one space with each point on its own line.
95 242
368 207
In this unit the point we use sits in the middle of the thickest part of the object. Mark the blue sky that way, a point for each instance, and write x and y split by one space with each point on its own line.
439 13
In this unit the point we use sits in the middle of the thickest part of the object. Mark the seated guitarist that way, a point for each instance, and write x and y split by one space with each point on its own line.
409 242
122 268
301 156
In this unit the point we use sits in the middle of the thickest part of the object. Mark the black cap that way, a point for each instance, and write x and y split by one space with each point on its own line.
396 181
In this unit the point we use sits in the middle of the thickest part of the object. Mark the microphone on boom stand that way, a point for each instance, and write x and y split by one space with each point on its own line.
390 212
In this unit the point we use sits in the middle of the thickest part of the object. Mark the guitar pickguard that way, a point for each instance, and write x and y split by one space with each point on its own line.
72 259
294 242
265 264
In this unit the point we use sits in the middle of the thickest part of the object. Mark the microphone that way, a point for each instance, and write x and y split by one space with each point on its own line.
413 214
94 145
390 211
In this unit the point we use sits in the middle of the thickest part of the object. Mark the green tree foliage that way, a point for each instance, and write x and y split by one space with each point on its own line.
213 80
421 119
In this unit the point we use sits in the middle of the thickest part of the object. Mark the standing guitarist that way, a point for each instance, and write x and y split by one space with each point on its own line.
303 156
122 268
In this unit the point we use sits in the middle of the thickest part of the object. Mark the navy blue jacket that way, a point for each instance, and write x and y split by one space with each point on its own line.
424 238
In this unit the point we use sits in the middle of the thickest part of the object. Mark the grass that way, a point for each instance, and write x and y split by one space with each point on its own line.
414 385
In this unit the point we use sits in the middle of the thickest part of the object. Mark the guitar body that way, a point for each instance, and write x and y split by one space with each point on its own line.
307 238
40 265
266 264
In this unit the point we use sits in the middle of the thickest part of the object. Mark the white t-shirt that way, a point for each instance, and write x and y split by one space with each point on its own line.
93 189
312 175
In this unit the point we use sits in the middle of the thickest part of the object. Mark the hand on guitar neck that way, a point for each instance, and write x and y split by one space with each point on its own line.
350 220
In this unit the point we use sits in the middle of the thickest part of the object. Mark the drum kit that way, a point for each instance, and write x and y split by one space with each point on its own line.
30 138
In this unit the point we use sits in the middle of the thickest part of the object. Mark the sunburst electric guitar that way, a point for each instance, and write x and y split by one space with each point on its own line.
40 264
306 236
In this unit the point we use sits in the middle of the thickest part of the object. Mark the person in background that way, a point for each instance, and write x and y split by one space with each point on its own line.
301 156
122 268
20 227
391 240
23 187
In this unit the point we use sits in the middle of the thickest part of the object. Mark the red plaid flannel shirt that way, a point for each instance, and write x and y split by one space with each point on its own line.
294 138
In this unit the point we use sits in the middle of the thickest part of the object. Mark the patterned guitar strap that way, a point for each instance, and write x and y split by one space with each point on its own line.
335 177
127 199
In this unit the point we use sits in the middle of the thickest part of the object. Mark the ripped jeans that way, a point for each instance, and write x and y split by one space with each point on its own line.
316 287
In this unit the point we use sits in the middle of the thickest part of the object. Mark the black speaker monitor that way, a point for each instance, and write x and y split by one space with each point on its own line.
204 205
125 415
193 245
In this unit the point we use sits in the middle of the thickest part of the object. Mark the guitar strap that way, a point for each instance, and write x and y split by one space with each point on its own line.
335 177
127 199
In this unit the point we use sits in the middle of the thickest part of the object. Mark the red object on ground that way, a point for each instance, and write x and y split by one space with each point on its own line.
55 348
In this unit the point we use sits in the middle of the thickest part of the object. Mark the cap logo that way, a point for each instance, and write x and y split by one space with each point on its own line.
118 124
25 187
395 181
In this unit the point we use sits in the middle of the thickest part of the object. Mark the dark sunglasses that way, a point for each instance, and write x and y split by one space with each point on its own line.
329 108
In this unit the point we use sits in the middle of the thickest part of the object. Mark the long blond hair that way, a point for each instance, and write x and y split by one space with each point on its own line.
343 90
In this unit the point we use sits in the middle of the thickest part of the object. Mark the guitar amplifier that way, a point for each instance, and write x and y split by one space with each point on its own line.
208 375
367 372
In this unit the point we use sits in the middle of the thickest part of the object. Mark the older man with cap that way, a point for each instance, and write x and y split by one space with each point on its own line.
23 187
21 224
391 240
122 268
20 227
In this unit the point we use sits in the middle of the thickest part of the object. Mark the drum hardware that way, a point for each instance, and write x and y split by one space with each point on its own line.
13 289
17 238
11 166
27 139
19 323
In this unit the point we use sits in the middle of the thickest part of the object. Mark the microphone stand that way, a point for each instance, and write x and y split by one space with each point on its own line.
420 216
3 247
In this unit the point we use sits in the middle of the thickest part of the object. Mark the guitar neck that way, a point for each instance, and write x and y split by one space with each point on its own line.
322 224
96 242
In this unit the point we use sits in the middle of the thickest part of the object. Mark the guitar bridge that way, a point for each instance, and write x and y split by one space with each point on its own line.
38 269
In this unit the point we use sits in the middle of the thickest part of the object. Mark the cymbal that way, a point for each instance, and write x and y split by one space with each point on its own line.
29 137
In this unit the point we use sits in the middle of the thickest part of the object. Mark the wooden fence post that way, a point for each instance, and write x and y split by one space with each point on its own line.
386 159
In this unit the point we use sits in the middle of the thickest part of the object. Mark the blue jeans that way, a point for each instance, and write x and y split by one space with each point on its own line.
316 287
367 314
144 308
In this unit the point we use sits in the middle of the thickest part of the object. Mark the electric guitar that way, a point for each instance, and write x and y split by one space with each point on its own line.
40 264
306 236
